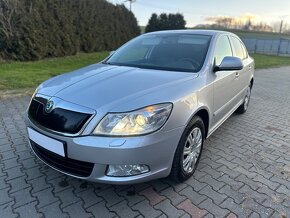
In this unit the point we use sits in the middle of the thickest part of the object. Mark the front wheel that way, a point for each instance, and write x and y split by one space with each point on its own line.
189 150
244 107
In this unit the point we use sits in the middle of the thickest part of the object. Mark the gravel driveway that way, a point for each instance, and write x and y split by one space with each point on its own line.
244 171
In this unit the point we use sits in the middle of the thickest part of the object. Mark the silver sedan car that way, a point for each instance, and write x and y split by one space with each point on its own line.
144 112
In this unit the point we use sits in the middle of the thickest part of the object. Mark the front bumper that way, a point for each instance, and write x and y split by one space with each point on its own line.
155 150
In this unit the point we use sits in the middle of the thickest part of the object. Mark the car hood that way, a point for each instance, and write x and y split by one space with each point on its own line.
102 85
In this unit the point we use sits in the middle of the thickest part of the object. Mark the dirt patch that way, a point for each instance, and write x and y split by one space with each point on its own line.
4 94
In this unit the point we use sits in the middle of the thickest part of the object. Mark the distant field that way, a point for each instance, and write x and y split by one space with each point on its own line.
260 35
250 34
142 28
27 75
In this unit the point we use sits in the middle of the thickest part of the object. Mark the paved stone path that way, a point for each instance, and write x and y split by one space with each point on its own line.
244 171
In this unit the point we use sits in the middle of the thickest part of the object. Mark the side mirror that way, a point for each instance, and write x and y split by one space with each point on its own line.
229 63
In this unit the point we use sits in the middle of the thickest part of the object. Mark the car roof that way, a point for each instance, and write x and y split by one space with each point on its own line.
192 31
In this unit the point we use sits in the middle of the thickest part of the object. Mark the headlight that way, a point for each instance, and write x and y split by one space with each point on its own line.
142 121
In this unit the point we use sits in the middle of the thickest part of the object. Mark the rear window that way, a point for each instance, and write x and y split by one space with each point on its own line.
244 50
239 50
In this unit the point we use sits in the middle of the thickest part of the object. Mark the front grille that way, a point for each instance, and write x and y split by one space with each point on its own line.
67 165
60 120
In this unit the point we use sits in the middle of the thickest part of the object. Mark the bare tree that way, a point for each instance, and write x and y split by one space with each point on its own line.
222 21
8 16
276 26
240 23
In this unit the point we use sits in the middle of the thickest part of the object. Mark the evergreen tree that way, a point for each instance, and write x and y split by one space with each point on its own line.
165 22
152 24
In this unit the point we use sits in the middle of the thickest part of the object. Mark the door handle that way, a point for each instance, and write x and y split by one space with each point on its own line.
237 75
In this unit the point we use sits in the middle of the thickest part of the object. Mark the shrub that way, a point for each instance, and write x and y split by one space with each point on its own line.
37 29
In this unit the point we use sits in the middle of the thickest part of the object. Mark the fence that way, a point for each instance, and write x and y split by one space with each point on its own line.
268 46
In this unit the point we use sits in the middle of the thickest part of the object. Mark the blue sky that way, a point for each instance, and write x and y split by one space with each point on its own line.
196 11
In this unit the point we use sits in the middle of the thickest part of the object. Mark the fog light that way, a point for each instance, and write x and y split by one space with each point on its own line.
127 170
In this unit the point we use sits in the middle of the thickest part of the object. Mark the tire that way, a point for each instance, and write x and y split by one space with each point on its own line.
179 171
244 107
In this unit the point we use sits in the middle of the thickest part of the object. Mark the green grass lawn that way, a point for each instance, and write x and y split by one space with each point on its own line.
21 75
27 75
268 61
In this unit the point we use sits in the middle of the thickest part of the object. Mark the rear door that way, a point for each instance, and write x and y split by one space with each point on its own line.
244 75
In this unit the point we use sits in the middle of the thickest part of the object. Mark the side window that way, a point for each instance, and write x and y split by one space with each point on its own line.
244 50
222 49
239 50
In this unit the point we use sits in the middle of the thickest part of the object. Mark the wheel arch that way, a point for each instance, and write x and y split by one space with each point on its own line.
176 173
203 113
252 82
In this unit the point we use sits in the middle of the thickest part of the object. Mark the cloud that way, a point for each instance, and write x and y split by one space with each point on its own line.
234 19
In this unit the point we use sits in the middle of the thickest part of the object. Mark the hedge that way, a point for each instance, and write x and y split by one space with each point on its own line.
37 29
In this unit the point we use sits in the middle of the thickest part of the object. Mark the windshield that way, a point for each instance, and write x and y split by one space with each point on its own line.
173 52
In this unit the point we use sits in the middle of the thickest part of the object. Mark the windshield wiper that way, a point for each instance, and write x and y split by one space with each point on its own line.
106 62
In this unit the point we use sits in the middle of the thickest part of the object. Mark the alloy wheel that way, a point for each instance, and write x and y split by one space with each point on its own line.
192 150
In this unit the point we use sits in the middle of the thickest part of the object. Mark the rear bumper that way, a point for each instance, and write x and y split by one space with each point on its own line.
155 150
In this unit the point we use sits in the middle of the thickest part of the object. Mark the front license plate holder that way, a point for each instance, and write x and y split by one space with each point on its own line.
46 142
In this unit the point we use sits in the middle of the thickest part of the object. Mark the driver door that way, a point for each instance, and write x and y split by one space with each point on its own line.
225 82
